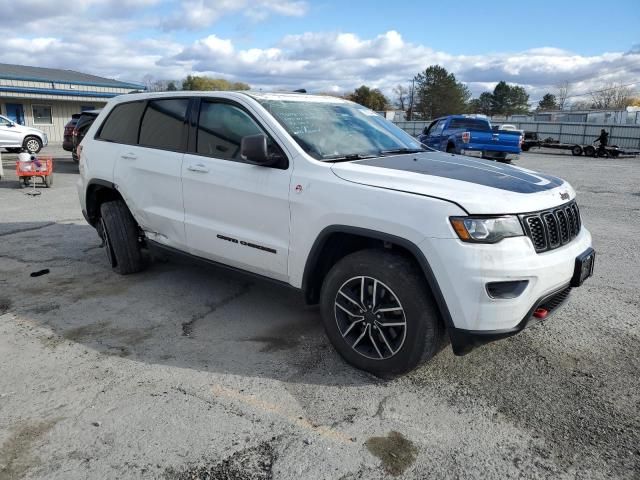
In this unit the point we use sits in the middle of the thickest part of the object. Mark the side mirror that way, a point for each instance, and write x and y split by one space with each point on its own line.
253 148
11 124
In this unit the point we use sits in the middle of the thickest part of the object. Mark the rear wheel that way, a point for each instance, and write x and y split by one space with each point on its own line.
379 314
590 151
451 148
32 144
576 150
119 233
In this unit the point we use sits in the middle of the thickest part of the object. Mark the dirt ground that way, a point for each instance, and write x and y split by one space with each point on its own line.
192 372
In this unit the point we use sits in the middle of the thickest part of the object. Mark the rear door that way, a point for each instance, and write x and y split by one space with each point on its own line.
236 213
148 171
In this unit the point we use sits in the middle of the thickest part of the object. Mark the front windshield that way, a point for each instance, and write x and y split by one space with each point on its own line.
327 130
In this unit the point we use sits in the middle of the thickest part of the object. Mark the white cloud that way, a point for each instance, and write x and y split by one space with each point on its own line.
199 14
96 37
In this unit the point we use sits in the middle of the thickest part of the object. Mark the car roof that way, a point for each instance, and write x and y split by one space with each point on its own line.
256 95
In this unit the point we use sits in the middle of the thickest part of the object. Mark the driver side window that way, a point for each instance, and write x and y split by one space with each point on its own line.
4 121
437 129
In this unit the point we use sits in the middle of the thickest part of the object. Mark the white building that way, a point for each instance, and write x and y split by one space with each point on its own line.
45 98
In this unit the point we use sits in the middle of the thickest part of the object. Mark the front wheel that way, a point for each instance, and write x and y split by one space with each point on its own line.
590 151
32 144
379 314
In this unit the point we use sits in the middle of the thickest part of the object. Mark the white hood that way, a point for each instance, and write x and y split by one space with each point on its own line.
478 186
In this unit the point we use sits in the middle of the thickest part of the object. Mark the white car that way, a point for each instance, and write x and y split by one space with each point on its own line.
402 246
14 137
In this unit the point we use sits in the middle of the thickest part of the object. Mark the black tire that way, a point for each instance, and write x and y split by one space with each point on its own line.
589 151
576 150
120 236
451 148
399 278
32 144
525 148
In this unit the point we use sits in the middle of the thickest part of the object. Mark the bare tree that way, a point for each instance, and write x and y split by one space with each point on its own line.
402 96
563 90
612 96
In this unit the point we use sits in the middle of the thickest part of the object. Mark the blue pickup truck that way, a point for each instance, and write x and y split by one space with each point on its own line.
473 137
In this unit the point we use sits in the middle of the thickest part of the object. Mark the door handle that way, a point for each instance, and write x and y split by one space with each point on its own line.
199 167
129 156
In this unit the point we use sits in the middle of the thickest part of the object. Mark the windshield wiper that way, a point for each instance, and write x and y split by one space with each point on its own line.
346 158
402 150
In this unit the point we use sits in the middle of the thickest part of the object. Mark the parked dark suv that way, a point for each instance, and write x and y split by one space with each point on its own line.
83 123
67 139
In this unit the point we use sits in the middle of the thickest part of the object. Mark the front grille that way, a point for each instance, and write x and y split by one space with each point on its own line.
552 228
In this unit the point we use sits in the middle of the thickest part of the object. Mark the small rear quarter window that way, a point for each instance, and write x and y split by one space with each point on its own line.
123 123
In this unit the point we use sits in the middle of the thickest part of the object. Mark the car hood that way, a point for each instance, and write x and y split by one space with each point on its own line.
478 186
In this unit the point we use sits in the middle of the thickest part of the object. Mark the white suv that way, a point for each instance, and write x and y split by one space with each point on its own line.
402 246
14 137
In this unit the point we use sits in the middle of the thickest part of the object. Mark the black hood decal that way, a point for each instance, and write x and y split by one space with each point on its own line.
457 167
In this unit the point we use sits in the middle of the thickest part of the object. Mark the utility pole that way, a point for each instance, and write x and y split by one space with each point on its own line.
413 83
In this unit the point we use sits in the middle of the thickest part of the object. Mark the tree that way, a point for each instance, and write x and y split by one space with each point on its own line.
509 99
482 104
370 98
548 102
612 96
562 94
402 96
438 93
193 82
171 87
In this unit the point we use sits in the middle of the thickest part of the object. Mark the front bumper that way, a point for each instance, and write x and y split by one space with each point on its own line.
464 341
463 271
506 156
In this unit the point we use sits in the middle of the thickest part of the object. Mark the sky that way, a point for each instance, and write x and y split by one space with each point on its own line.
331 45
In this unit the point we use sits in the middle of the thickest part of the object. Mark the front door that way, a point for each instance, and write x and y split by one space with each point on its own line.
9 133
15 112
236 213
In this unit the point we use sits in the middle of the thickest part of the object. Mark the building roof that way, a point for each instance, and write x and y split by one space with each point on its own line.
39 74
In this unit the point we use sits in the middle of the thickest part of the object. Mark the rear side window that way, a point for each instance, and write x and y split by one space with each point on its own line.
163 124
470 123
121 126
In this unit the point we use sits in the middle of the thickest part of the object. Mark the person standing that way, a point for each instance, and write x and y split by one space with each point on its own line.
604 141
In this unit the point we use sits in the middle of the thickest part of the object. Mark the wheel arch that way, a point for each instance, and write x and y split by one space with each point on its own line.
99 191
323 256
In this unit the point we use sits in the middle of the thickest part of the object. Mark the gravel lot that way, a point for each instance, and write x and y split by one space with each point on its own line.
186 371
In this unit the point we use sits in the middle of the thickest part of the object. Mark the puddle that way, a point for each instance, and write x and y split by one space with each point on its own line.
395 451
5 305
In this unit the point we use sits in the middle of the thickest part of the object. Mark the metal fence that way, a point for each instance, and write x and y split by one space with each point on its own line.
624 136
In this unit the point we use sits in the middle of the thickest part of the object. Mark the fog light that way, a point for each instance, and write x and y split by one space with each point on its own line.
510 289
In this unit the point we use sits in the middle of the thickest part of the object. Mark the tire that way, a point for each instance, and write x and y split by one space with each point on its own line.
48 180
120 236
525 148
576 150
32 144
451 148
589 151
363 340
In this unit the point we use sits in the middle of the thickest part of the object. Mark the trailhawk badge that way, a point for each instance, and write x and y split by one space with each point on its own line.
564 196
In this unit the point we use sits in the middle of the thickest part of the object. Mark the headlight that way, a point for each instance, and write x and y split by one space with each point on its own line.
486 229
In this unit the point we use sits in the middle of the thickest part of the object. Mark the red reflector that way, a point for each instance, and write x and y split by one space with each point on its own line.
541 313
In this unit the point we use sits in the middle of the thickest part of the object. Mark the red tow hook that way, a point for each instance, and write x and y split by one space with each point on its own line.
541 313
